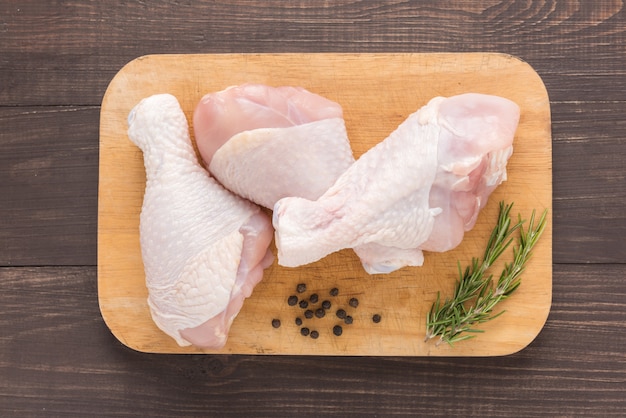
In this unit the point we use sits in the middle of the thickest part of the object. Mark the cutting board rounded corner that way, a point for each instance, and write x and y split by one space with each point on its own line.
121 334
118 82
125 69
114 328
540 89
527 64
540 323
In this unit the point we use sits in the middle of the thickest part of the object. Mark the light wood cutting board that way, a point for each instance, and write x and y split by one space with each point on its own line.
377 92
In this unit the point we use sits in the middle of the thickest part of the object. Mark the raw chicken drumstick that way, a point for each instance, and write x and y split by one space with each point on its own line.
265 143
419 189
203 248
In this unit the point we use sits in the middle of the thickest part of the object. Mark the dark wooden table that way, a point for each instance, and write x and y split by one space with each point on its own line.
57 356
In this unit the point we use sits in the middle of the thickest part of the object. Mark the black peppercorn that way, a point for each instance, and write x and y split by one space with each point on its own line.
337 330
315 334
314 298
304 331
276 323
298 321
326 304
341 314
301 288
308 314
348 320
354 302
320 313
334 291
376 318
292 300
304 304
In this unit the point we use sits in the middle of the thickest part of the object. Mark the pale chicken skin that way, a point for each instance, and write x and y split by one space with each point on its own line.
419 189
265 143
203 248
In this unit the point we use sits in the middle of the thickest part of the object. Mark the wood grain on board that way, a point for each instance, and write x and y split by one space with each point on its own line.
377 92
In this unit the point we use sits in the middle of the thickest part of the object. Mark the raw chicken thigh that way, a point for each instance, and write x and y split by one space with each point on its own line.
265 143
419 189
203 248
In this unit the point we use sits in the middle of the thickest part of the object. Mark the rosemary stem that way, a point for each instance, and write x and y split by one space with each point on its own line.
475 296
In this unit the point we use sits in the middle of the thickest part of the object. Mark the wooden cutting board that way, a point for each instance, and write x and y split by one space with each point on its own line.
377 92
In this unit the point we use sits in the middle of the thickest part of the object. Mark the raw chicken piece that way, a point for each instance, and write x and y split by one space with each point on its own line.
473 153
203 248
265 143
420 188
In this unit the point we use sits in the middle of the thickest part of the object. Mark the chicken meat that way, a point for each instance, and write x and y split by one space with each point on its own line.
265 143
419 189
203 248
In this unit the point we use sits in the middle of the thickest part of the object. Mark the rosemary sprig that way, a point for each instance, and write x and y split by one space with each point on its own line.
475 296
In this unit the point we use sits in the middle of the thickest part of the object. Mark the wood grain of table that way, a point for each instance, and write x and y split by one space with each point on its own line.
58 358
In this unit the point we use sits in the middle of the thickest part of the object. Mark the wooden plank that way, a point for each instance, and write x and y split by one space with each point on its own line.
372 88
589 176
59 359
589 197
48 185
572 44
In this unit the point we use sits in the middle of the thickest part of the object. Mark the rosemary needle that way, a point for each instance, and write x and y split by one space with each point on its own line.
475 296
